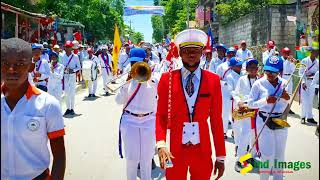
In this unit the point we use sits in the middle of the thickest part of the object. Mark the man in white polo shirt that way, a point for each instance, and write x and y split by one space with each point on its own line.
29 118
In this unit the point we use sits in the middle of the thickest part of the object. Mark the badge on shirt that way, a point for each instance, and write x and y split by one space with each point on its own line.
190 133
33 125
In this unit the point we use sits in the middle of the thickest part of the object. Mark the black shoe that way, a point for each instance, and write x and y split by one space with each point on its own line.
138 165
113 82
232 135
90 95
291 112
237 166
153 164
225 136
317 131
303 120
312 121
67 112
72 112
107 94
93 95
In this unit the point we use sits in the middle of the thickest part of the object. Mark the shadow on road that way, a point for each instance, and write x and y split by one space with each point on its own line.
90 98
71 116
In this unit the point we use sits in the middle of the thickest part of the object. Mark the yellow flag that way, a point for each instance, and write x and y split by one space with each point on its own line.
116 49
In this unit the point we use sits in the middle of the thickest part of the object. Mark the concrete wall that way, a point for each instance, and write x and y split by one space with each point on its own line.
257 28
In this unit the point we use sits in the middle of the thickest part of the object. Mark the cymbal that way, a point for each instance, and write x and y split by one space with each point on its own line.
281 122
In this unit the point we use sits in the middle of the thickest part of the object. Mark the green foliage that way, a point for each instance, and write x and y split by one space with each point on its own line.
98 16
175 16
157 28
230 10
137 37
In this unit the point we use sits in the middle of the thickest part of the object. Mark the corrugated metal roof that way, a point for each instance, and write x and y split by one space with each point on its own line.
7 7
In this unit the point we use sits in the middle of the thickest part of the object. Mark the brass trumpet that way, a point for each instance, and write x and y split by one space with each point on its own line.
140 72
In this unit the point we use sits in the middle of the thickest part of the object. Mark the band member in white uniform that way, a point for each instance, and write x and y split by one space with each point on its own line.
124 60
307 93
241 97
205 63
315 86
244 54
263 95
137 124
288 69
271 49
105 61
72 65
223 71
232 78
41 72
55 78
95 70
221 58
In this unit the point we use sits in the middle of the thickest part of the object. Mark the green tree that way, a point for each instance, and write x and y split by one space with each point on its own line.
230 10
137 37
157 28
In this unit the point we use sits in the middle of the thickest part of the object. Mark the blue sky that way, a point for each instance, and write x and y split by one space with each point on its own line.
140 23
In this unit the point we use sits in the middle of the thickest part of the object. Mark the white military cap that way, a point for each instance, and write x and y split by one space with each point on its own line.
104 47
56 46
191 38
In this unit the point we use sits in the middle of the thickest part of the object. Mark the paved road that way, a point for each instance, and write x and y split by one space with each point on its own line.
92 154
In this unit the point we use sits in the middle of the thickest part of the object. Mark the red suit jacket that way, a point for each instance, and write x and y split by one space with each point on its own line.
208 103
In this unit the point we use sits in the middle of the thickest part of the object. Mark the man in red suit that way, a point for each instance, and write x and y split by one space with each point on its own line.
187 97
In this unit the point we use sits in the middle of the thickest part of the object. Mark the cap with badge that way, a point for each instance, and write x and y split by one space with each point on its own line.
252 61
191 38
54 54
56 46
235 62
274 64
137 55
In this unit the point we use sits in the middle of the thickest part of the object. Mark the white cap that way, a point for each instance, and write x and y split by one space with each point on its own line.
56 46
104 47
75 44
191 38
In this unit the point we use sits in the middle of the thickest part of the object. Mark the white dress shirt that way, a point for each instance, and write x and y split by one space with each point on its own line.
259 93
101 61
123 61
244 55
312 68
154 57
215 62
74 62
243 88
196 82
56 76
44 70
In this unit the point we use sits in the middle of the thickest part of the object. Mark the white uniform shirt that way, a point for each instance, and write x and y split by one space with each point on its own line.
243 88
204 64
74 62
25 132
315 81
244 55
44 69
215 62
95 67
55 78
312 68
259 93
103 65
196 82
154 57
123 61
288 68
223 70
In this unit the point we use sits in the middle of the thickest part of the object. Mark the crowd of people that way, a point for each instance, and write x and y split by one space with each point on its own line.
174 88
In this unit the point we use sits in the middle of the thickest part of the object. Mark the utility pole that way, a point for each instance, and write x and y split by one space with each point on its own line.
159 2
298 21
188 14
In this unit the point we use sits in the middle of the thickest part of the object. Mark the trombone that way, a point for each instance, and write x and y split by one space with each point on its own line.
140 72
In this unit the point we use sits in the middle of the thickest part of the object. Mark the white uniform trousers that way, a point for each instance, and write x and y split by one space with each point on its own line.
106 78
139 146
244 136
272 145
56 91
226 107
92 86
307 101
70 89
